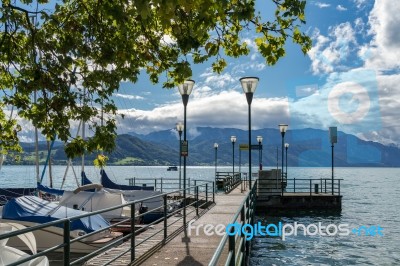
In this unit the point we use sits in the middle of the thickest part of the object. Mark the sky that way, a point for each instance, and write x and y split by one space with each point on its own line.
348 79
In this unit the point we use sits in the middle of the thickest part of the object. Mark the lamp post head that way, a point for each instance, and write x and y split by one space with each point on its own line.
186 88
282 129
286 145
216 145
233 139
259 139
249 85
179 127
333 134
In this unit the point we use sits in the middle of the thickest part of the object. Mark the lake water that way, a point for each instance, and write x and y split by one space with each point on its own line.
371 197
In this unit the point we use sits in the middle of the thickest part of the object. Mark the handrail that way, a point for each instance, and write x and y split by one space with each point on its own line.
310 186
202 197
245 214
228 182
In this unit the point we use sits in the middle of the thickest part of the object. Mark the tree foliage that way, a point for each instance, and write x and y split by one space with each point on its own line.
74 54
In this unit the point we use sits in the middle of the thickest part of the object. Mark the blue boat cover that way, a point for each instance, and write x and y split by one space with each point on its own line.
49 190
9 193
85 180
107 183
37 210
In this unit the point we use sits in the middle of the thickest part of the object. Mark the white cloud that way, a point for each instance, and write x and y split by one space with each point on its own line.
127 96
227 108
341 8
322 5
218 81
383 52
360 3
330 52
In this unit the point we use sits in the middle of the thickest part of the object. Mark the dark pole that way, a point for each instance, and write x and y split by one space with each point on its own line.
283 139
259 155
249 97
332 168
233 158
286 148
185 99
180 160
216 148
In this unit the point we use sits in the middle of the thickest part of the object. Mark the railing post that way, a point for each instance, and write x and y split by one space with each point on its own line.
189 185
67 243
246 221
213 191
197 200
339 186
321 184
155 184
134 181
232 248
165 217
294 185
161 185
310 187
243 247
206 192
133 232
325 185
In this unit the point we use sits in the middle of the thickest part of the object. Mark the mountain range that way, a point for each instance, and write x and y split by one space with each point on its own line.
307 147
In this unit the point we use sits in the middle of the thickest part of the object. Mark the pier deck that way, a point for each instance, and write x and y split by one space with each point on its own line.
181 249
199 249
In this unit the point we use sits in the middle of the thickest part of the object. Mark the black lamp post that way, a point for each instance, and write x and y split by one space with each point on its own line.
282 129
333 139
286 148
179 128
216 149
233 140
249 85
185 89
259 140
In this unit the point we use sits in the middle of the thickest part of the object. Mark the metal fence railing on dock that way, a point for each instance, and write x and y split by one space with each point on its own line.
305 186
234 248
227 181
133 245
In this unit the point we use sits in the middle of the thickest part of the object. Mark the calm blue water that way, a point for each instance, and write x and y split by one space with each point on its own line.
371 196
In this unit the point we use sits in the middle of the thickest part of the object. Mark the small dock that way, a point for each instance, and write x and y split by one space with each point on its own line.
275 192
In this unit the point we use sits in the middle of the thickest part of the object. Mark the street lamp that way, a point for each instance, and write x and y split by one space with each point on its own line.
179 128
249 85
216 148
259 140
333 139
286 148
185 89
282 129
233 140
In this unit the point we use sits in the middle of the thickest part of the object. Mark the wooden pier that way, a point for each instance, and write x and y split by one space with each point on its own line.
181 247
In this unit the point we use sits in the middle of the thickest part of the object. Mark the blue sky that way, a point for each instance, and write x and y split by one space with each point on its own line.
349 79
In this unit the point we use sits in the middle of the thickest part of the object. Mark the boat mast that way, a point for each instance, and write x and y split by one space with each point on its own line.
83 137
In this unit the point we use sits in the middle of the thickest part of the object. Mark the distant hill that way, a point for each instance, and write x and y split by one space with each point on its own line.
307 147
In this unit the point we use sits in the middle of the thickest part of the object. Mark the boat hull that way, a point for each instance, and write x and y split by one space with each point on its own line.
52 236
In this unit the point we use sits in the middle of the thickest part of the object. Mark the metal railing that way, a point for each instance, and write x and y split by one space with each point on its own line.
323 186
163 184
202 196
238 248
227 181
